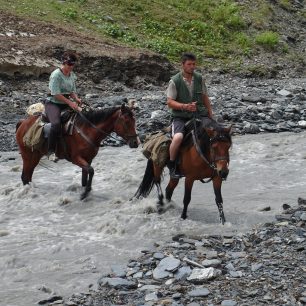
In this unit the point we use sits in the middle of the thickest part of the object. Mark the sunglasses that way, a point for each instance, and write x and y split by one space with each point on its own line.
70 63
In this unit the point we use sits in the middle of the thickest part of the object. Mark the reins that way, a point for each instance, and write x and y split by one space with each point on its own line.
211 140
107 135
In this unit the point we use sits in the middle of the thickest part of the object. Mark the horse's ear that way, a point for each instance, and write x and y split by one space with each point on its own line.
123 108
132 103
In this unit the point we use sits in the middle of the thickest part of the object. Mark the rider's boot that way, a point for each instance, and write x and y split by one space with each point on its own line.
173 169
52 140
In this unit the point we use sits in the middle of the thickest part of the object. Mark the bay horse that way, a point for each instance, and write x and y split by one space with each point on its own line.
204 154
80 148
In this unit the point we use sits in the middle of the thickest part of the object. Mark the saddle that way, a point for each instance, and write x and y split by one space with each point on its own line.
36 135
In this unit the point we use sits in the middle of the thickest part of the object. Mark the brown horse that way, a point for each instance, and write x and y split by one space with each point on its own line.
82 146
204 154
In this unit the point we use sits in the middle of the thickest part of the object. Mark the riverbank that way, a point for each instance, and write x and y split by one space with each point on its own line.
251 105
265 266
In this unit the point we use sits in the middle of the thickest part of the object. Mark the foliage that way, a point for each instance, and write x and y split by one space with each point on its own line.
209 28
268 40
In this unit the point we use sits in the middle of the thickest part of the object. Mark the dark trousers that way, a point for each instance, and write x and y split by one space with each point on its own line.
53 113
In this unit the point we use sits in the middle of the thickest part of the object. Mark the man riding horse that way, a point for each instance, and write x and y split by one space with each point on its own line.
186 97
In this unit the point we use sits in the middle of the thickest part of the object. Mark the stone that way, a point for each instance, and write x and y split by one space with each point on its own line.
169 264
199 292
158 255
211 263
182 273
284 93
256 267
202 275
117 283
118 271
228 303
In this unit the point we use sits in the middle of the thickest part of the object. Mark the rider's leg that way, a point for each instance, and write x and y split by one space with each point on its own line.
177 138
53 113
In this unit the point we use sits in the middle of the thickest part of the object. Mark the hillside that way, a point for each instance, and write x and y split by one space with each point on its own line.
248 38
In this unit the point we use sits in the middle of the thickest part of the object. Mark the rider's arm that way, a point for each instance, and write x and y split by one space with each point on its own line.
63 99
74 96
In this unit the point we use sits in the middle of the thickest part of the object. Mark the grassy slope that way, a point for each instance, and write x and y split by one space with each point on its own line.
218 29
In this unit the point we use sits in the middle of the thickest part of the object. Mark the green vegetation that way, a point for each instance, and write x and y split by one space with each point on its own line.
268 40
209 28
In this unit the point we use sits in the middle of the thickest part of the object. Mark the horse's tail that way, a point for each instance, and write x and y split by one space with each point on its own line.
18 124
148 181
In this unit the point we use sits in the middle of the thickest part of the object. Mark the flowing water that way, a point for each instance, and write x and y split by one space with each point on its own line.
53 242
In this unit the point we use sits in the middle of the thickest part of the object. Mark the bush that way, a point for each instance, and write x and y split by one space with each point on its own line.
269 40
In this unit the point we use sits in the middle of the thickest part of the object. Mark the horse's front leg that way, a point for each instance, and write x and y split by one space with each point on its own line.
87 175
170 188
30 161
84 177
187 196
217 183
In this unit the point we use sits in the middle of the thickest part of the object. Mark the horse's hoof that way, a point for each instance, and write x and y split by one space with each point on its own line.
83 196
160 209
184 217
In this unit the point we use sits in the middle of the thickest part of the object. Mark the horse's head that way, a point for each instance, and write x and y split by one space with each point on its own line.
220 143
125 126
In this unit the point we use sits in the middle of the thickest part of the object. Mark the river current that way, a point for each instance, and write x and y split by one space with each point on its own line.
51 242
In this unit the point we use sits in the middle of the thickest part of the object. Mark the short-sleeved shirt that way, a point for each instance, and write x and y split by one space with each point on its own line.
172 92
60 84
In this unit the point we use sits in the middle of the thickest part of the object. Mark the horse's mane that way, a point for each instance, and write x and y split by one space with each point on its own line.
97 115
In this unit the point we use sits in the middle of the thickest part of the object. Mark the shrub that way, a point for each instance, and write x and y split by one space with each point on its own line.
269 40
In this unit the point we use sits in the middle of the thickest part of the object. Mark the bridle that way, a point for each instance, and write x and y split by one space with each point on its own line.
125 126
107 135
214 158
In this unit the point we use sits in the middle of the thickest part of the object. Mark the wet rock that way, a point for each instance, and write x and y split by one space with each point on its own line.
117 283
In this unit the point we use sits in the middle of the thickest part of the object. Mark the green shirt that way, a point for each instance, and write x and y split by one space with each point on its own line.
61 84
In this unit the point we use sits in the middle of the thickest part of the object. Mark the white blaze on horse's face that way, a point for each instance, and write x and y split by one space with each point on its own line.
125 127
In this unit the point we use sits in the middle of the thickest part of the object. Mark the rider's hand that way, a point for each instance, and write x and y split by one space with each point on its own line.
191 107
79 101
75 107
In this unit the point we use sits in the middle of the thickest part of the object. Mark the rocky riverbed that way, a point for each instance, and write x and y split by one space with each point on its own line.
251 105
265 266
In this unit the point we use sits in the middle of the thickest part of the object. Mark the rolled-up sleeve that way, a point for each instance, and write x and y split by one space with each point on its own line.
171 91
54 85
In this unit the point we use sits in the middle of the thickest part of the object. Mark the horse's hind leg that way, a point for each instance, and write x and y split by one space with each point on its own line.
187 196
30 161
157 181
217 183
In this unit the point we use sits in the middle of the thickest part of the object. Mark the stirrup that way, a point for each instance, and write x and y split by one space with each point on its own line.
174 174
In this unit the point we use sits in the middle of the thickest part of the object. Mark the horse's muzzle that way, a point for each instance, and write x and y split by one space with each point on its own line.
223 173
133 143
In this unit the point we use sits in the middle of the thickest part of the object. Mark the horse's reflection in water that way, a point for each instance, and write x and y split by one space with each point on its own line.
205 155
82 146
